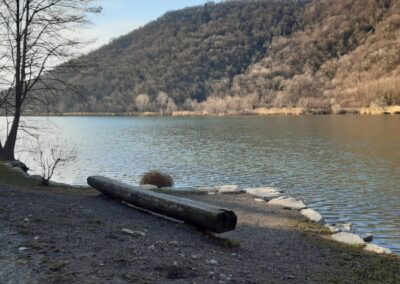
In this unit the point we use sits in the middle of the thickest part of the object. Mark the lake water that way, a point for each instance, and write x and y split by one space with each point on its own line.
347 167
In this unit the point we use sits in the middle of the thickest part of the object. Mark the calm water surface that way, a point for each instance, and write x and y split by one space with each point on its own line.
347 167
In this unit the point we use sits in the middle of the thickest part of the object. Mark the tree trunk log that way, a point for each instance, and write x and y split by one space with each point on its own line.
199 214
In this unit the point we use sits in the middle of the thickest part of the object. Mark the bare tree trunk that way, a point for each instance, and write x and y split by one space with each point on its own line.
7 152
32 36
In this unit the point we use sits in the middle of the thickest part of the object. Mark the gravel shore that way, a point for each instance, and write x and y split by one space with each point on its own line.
80 236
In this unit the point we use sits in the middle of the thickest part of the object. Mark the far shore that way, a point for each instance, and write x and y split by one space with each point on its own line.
286 111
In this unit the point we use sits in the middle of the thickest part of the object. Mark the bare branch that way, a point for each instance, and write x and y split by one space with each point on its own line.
36 35
53 155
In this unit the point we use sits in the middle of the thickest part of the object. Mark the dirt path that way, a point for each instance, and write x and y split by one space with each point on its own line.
76 237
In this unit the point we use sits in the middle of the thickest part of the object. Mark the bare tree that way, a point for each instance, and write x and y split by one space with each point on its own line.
53 155
171 106
34 36
162 101
142 102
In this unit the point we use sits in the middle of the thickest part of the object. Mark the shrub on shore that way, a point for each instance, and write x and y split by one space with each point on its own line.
158 179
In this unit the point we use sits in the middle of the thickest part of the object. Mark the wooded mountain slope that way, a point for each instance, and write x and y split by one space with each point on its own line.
239 55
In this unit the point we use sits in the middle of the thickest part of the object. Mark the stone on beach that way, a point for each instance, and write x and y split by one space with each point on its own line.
367 237
348 238
229 189
337 228
377 249
288 202
332 228
21 249
213 262
345 227
134 233
17 164
312 215
266 193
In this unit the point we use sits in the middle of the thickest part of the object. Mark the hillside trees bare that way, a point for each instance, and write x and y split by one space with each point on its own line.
238 55
183 52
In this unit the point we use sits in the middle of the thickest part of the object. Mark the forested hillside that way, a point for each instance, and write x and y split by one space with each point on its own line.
239 55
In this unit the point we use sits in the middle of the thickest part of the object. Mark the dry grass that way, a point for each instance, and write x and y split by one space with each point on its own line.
312 227
279 111
188 113
380 110
158 179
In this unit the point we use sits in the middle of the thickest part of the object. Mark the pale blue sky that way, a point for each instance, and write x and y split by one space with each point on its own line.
122 16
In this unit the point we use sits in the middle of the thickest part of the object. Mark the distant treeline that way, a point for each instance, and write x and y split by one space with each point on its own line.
239 55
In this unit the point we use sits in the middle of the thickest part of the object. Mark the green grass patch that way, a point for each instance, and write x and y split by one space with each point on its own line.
34 245
54 265
312 227
24 230
57 265
228 243
353 265
11 177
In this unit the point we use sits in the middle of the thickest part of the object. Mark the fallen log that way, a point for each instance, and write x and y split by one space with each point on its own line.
199 214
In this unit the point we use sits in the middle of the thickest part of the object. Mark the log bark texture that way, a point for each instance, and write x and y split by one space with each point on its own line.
199 214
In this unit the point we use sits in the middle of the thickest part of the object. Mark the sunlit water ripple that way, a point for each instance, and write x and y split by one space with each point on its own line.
347 167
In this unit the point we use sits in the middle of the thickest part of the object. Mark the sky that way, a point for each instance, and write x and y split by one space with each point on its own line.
119 17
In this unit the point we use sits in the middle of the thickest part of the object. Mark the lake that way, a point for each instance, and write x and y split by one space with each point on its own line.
346 167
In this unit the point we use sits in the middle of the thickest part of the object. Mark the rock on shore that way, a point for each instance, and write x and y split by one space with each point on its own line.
367 237
312 215
348 238
288 202
266 193
228 189
377 249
